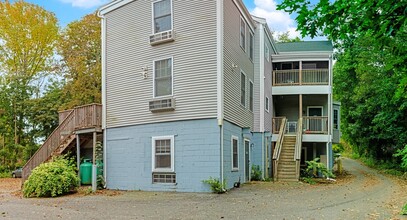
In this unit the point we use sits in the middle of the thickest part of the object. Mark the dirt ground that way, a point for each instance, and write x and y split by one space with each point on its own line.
363 194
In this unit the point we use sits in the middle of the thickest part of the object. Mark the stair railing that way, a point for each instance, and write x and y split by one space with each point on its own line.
279 144
58 136
297 151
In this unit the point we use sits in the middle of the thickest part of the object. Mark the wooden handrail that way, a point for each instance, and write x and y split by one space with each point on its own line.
277 150
297 152
51 143
315 124
82 117
294 77
276 122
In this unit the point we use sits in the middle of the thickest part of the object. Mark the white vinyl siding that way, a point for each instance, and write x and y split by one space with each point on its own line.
194 63
250 95
163 154
235 153
162 16
163 77
267 53
242 34
242 89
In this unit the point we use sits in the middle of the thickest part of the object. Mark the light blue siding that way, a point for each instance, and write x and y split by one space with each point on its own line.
197 155
256 151
230 176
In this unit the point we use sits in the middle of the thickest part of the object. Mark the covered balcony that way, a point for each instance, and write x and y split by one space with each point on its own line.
301 73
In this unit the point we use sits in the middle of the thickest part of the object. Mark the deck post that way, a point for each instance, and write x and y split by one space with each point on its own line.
300 73
78 156
300 106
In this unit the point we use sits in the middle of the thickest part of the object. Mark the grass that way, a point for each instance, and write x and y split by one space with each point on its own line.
5 175
404 210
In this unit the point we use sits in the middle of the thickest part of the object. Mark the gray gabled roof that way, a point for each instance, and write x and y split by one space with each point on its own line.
305 46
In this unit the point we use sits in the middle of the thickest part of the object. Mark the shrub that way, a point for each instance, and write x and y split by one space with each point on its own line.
256 173
5 174
404 210
55 178
314 166
216 185
403 154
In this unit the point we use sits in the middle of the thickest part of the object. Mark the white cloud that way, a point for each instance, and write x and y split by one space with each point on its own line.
278 21
85 3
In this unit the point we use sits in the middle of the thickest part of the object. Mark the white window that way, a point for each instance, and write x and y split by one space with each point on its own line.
250 95
251 42
242 89
267 104
163 154
267 52
235 153
242 34
162 17
163 77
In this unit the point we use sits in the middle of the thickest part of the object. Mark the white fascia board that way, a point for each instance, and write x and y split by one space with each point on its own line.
219 57
104 9
245 13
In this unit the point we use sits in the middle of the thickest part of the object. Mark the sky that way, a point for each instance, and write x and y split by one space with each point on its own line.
70 10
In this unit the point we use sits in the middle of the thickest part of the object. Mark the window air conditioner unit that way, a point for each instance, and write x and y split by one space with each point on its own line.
162 37
162 105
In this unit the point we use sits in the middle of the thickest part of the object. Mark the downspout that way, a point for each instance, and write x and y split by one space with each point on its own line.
103 36
219 81
262 98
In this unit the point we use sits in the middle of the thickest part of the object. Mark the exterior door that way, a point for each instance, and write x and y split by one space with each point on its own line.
247 159
315 124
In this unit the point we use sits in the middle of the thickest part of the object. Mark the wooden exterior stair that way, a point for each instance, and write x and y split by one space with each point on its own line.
88 117
286 170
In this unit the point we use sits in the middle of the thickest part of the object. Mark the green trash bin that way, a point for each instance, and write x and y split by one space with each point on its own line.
86 172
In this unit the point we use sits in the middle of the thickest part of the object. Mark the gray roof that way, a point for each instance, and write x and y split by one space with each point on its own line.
304 46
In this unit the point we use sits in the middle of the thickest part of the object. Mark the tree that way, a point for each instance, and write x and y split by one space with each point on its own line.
370 76
285 38
80 47
28 35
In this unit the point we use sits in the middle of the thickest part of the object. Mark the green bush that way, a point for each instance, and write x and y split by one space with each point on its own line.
403 154
404 210
216 185
256 174
5 174
52 179
315 166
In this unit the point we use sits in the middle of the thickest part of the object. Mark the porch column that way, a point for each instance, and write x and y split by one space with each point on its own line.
300 73
300 107
78 156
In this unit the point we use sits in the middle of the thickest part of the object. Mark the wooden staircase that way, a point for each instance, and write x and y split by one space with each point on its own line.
287 153
64 136
286 170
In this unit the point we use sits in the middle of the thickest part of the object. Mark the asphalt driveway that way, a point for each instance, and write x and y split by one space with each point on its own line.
365 194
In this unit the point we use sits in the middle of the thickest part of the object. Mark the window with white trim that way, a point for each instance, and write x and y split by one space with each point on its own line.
235 153
251 45
242 34
267 52
267 104
162 18
250 95
163 77
242 89
163 154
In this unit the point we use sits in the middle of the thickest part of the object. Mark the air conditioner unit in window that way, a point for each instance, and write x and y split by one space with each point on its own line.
162 105
162 37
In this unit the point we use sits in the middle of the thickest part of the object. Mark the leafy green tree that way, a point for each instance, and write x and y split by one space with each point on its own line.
80 47
370 76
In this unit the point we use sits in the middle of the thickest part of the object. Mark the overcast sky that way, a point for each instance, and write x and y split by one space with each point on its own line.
70 10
